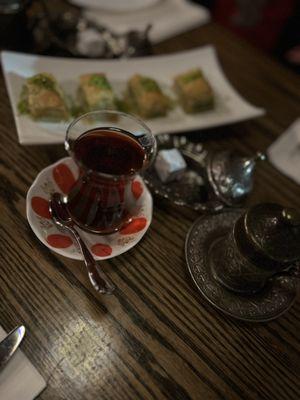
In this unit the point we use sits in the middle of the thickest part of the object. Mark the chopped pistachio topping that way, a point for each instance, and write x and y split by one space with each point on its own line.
23 106
99 81
43 81
149 84
191 76
23 103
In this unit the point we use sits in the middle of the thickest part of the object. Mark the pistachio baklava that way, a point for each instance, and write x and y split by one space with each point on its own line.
194 92
42 98
145 98
95 93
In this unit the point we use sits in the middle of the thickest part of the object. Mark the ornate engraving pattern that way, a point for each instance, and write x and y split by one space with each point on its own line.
276 297
192 190
232 268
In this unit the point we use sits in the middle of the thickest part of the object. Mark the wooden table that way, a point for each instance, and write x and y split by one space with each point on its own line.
156 337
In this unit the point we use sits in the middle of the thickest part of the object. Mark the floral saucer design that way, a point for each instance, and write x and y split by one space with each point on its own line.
60 177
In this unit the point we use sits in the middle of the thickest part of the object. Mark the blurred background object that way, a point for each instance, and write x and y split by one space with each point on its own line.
271 25
95 28
118 28
115 5
167 17
14 33
59 28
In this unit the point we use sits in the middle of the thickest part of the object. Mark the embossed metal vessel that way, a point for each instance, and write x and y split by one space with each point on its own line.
191 190
231 176
212 180
202 244
264 241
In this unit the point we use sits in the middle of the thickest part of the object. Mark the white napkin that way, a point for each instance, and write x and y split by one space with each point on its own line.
284 153
19 380
168 18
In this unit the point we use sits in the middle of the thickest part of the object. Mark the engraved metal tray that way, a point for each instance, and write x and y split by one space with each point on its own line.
192 189
273 300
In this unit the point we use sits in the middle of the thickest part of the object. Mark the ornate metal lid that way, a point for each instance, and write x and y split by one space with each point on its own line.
274 231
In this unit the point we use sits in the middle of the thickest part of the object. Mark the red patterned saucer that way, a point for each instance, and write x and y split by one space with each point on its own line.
60 177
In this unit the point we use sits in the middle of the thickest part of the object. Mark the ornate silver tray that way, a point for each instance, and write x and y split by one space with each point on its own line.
192 190
272 301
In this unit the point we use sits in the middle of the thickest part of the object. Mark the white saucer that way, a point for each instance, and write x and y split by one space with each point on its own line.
59 177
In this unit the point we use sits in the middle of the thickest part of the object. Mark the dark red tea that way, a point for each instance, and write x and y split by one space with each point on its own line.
109 151
99 202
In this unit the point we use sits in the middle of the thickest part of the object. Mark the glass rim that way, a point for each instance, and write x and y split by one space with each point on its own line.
112 112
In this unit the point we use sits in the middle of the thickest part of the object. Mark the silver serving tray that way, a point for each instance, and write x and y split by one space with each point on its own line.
192 189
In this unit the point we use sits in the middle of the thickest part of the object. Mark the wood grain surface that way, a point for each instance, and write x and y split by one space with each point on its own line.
156 337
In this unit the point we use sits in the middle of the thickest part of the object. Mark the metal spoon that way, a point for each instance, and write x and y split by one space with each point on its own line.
62 218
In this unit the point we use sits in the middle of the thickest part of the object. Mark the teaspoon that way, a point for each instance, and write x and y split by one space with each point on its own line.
62 218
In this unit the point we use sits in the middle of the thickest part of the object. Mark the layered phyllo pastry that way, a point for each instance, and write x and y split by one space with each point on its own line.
194 92
42 98
95 93
145 98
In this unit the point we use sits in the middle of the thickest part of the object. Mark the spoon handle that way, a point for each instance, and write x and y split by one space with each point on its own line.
97 277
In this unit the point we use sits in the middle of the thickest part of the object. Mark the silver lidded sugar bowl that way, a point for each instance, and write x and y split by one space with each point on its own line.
263 243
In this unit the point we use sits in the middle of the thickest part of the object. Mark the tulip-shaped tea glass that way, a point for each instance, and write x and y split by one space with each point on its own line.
110 149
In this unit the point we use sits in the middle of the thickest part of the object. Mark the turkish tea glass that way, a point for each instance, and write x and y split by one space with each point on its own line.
110 149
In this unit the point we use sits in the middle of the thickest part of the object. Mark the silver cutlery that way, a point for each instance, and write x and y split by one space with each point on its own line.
62 218
9 345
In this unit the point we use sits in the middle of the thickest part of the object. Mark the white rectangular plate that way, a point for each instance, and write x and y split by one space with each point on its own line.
230 106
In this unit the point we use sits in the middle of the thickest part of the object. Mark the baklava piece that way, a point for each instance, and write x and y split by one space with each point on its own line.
194 92
145 98
95 93
42 98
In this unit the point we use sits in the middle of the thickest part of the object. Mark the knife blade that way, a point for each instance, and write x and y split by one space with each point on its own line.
9 345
